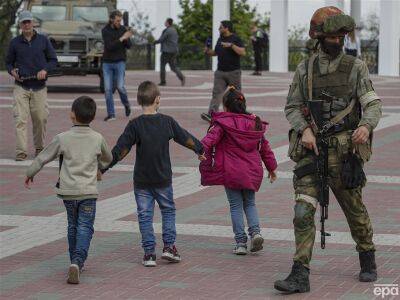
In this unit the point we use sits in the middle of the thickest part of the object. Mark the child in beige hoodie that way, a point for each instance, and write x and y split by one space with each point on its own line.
82 151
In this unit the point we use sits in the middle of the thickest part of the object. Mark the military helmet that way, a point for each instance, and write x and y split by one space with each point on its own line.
330 21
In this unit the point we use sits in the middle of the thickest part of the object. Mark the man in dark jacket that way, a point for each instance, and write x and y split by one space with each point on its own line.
259 42
30 55
116 41
169 51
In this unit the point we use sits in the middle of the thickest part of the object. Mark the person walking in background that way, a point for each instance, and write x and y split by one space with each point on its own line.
259 39
30 54
234 148
169 51
352 44
116 41
229 48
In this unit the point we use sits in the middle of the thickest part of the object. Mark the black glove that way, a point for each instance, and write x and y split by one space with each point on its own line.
353 174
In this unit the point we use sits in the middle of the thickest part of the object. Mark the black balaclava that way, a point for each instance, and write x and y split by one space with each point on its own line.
333 49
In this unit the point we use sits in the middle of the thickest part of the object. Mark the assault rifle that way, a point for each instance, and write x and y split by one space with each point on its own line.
321 162
29 77
320 128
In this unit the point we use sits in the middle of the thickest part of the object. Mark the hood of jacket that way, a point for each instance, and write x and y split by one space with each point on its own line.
240 128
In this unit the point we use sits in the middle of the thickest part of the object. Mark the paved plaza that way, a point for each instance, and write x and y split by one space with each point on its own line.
33 251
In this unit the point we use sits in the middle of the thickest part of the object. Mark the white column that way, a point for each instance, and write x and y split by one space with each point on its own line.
221 11
389 35
278 49
163 12
337 3
355 11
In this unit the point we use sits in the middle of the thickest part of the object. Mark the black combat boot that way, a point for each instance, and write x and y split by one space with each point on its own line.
368 266
296 282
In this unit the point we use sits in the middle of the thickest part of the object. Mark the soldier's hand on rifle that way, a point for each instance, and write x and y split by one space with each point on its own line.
360 135
41 75
272 176
14 73
308 140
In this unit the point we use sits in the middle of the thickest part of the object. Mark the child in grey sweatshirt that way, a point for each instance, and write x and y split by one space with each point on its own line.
82 152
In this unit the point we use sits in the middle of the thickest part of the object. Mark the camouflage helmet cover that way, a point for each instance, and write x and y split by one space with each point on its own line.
330 21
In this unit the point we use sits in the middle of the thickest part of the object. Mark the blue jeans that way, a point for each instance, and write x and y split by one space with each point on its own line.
114 72
145 209
239 201
80 214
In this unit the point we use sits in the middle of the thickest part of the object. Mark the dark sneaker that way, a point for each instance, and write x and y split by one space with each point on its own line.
368 271
162 84
171 254
183 81
256 243
240 250
73 274
149 260
206 117
109 118
297 282
256 73
127 111
21 157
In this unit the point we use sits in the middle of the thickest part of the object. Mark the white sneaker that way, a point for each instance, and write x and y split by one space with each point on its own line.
73 274
240 250
256 243
171 254
149 260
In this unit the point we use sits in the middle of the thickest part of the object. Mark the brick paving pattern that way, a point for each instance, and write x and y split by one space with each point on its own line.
33 250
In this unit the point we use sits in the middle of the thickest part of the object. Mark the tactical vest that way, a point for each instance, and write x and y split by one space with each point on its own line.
336 91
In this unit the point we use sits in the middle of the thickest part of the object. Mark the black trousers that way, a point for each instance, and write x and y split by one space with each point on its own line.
169 58
258 58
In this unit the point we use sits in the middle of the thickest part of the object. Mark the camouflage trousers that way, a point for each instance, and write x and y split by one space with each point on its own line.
350 200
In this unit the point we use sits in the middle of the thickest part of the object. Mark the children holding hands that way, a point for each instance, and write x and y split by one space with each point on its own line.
231 155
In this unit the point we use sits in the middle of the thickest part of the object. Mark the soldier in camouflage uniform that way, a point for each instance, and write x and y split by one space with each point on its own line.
337 79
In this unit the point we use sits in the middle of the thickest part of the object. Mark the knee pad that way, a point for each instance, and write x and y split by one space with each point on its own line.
303 215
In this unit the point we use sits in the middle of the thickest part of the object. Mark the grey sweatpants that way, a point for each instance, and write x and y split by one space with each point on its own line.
221 81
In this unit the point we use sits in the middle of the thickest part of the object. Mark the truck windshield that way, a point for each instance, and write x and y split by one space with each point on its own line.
48 13
90 14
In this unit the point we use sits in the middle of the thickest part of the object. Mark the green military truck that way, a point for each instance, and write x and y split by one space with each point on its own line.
74 29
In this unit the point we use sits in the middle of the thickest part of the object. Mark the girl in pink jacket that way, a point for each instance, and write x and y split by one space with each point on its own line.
235 147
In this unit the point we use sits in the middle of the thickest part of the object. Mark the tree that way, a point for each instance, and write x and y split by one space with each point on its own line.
194 28
370 28
141 24
297 37
8 11
195 24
